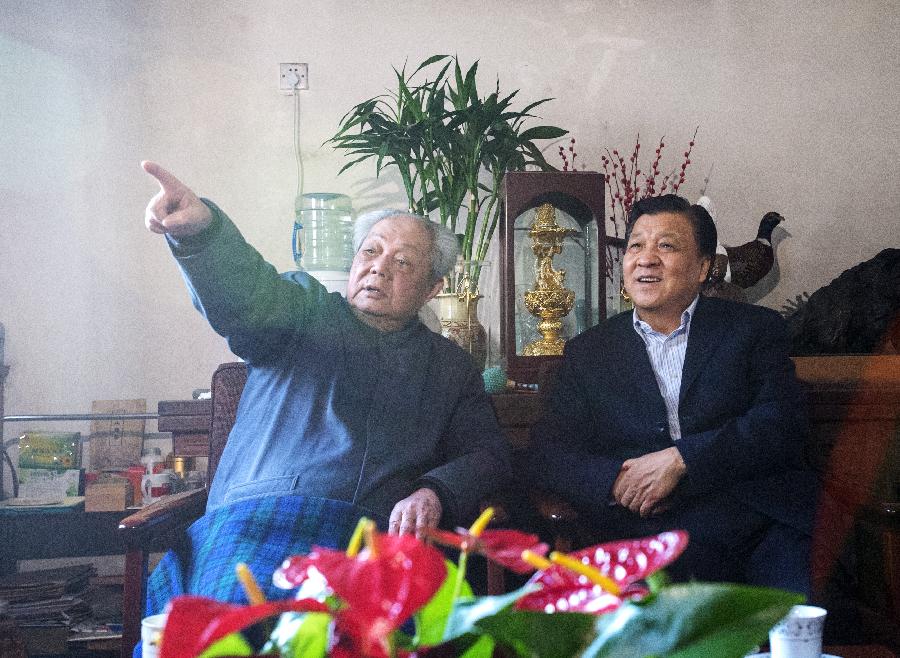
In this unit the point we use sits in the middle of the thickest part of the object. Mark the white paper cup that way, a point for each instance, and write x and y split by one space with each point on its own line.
799 635
151 635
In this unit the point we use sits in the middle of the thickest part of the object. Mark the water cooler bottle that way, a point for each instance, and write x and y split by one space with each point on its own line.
323 238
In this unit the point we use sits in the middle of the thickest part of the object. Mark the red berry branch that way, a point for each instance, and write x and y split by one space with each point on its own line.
627 183
568 164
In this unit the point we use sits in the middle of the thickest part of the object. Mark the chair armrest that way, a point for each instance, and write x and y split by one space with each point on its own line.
153 526
560 521
551 507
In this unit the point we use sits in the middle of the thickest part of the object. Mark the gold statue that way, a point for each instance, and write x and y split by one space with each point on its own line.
550 301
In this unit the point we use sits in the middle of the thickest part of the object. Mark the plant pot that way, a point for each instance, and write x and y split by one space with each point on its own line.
459 322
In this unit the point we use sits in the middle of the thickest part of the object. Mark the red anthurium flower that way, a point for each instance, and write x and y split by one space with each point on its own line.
583 597
622 562
195 622
501 546
382 586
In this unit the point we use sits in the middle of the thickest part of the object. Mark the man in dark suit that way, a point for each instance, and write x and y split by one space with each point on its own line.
684 414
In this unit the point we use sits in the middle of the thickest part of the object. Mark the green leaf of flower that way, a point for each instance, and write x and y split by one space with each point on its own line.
230 645
301 635
431 620
482 648
467 614
695 620
540 635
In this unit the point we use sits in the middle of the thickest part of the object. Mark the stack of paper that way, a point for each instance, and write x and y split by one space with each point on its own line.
47 597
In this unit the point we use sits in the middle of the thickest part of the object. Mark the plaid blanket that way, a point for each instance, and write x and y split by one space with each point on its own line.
260 532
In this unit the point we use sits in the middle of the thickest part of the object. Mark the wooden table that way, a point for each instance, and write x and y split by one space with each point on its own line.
35 533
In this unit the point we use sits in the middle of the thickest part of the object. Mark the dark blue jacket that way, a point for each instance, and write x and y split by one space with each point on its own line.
333 408
742 414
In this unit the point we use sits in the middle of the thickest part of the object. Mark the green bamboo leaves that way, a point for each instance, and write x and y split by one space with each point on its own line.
450 146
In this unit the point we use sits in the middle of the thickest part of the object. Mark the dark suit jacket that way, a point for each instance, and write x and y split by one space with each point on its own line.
743 422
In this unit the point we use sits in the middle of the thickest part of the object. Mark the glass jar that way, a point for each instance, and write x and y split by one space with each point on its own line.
323 232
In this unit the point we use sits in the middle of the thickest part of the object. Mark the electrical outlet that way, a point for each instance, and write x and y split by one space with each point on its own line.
292 76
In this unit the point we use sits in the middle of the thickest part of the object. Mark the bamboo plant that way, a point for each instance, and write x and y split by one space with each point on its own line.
450 145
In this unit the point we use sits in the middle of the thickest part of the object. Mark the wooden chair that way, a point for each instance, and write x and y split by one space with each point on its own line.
156 527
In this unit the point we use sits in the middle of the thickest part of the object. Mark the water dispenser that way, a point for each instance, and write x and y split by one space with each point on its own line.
323 238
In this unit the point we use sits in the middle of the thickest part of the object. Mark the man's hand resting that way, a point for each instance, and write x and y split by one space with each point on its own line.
175 209
420 510
645 482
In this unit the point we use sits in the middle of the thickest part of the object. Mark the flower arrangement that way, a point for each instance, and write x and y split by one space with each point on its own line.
607 600
450 144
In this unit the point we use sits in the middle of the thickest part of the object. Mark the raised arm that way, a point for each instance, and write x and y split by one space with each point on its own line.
241 295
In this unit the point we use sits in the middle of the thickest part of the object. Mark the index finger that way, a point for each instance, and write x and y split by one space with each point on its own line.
164 177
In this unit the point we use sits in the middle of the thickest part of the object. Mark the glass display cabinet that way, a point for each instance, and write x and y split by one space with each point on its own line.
553 265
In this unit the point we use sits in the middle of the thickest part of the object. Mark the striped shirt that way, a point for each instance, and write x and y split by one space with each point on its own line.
667 359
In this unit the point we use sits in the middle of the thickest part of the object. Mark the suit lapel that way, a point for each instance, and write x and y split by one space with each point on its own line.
636 372
705 335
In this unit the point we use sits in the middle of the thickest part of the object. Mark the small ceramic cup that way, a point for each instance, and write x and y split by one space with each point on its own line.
151 635
799 635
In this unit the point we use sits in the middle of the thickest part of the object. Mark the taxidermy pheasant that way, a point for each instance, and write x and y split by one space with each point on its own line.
750 262
742 266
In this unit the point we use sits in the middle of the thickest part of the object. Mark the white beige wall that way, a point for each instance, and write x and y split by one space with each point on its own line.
796 103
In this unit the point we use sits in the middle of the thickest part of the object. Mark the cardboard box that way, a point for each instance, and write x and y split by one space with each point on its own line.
109 496
116 443
48 484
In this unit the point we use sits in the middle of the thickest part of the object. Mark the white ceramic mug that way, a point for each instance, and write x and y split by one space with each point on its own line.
799 635
155 485
151 635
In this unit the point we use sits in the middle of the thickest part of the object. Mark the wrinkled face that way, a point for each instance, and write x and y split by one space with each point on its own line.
390 279
663 269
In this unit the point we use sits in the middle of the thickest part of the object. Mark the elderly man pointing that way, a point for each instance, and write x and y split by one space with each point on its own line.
350 400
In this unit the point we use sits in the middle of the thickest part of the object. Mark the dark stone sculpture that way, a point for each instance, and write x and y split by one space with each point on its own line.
857 313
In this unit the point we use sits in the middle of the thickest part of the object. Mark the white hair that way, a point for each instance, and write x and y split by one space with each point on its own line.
444 246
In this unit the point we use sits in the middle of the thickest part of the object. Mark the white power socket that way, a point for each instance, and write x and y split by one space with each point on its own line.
292 76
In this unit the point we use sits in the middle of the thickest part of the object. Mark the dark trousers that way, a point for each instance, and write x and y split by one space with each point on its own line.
729 542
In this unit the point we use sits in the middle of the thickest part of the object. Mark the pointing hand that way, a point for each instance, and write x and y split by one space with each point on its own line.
175 209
